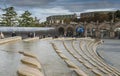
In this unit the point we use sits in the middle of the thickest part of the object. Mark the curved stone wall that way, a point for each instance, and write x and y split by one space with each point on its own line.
83 50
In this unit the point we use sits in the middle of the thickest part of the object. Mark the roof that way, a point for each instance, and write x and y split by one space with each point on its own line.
25 29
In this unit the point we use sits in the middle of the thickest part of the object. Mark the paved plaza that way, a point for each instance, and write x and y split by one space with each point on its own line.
63 56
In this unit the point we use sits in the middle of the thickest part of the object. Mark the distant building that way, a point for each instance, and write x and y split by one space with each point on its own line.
92 14
95 29
56 19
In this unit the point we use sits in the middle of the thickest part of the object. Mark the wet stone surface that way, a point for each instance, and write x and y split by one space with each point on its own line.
52 64
110 51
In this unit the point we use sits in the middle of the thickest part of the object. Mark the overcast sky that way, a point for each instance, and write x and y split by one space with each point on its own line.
44 8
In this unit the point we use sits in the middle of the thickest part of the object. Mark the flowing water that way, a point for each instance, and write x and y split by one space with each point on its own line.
110 52
52 64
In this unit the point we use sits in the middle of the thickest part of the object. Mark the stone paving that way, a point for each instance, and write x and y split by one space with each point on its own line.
63 57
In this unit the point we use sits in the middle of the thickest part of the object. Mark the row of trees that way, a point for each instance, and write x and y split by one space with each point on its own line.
11 18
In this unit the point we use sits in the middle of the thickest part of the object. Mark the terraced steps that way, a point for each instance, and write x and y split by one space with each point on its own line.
69 63
100 61
30 66
86 63
84 51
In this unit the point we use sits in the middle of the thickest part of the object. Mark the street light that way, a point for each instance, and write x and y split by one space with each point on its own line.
97 29
85 28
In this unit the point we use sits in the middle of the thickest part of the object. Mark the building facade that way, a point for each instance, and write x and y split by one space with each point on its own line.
92 14
60 19
92 29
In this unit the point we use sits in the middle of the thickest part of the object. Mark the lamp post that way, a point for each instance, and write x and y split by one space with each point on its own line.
112 29
97 29
85 24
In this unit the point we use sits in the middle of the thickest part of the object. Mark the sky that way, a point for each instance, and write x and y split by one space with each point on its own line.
45 8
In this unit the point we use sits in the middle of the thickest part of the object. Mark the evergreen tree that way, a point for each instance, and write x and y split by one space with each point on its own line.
26 20
110 16
117 14
36 22
9 18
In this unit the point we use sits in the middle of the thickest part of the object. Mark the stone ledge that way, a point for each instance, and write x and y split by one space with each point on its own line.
28 53
10 39
31 61
25 70
30 65
31 39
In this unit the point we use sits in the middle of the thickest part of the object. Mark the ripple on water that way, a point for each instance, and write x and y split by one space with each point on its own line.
9 63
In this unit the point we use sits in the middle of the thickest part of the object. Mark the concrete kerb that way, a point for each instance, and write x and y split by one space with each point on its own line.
93 49
80 72
99 60
48 38
98 68
85 63
25 70
91 67
88 48
94 54
90 52
63 56
95 71
10 39
58 51
28 53
30 65
101 63
109 66
65 38
31 61
98 73
96 61
31 39
82 49
71 65
88 65
80 60
83 56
